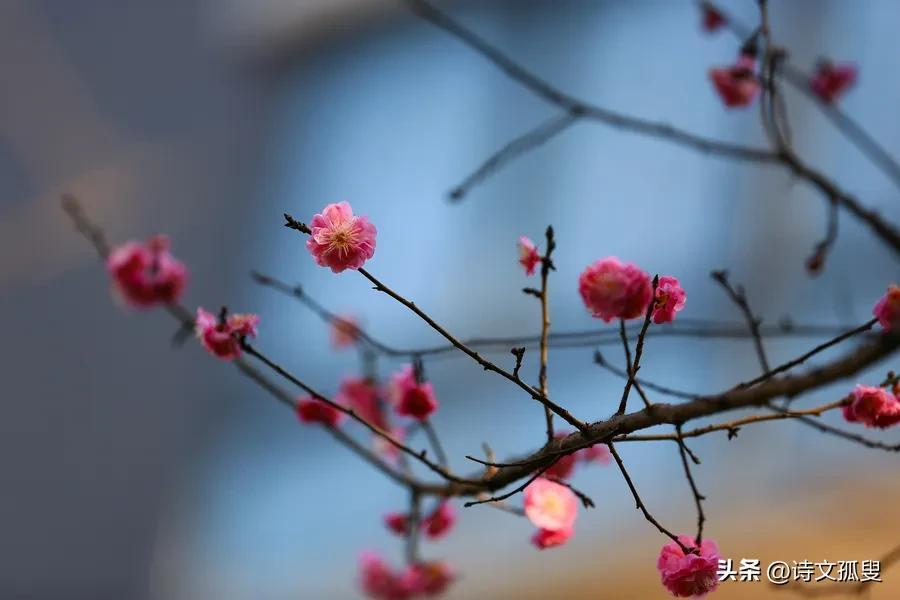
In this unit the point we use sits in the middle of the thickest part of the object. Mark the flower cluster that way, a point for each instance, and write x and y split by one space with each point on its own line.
611 289
379 581
689 575
144 275
220 335
552 508
873 407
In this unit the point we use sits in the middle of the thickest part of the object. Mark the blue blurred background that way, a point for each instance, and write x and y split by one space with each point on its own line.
132 470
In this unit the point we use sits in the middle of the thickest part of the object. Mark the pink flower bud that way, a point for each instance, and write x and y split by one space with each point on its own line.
713 20
339 239
440 522
548 538
397 523
360 395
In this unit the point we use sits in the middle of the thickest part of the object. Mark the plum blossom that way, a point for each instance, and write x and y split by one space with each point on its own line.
713 20
598 453
380 582
397 522
737 84
689 575
549 505
887 309
831 80
873 407
440 522
360 395
144 275
528 255
548 538
339 239
344 332
219 335
612 289
670 299
410 397
313 410
429 578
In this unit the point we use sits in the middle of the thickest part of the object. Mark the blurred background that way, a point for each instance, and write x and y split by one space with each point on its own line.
135 470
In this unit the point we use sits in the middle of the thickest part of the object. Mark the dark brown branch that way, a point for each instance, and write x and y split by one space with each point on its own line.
639 504
739 297
698 497
586 500
546 267
638 351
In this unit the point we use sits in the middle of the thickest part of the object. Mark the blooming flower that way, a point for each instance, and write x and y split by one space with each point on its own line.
146 274
550 505
220 336
873 407
887 309
411 398
440 522
830 80
397 522
670 298
313 410
429 578
689 575
612 289
528 255
737 84
548 538
379 581
713 20
339 239
344 332
360 395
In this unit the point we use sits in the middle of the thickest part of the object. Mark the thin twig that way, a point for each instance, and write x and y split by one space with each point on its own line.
546 267
638 351
698 497
739 297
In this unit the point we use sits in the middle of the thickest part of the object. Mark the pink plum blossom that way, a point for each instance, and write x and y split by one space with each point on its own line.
713 20
380 582
873 407
313 410
598 453
831 80
440 522
612 289
220 336
548 538
360 395
397 522
344 332
689 575
429 578
670 299
410 397
146 274
887 309
528 255
737 84
339 239
549 505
